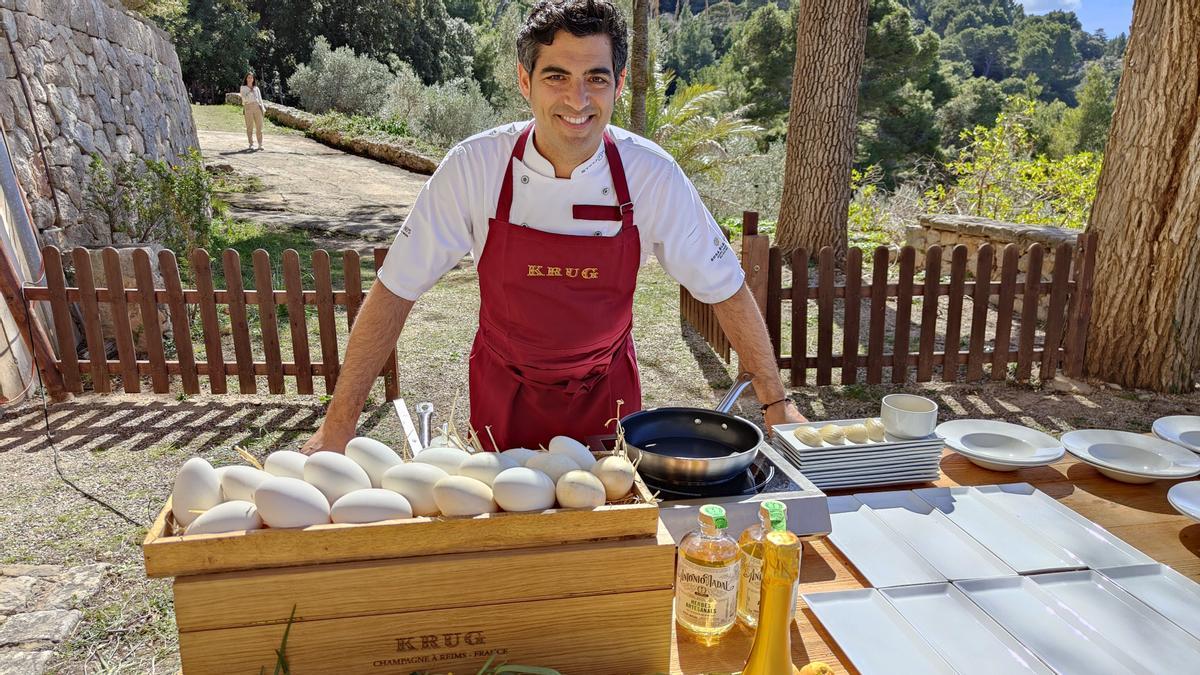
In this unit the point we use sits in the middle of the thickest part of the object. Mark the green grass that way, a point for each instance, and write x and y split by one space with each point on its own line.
227 117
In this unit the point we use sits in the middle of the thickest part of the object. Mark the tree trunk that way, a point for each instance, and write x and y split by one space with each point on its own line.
830 36
1145 325
639 66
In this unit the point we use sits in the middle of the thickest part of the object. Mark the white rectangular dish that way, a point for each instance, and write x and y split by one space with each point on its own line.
1019 546
1166 591
787 433
961 633
874 549
931 534
1052 632
876 469
892 457
873 635
1089 542
855 483
1126 622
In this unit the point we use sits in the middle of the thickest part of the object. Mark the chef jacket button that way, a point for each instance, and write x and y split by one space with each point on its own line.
524 224
604 191
597 233
524 179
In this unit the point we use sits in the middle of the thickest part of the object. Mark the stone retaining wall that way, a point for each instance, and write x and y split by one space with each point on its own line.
389 153
949 231
99 79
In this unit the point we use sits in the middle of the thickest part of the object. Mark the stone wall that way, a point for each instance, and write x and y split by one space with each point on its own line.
949 231
99 79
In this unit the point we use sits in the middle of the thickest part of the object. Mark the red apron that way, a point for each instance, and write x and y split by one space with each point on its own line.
554 349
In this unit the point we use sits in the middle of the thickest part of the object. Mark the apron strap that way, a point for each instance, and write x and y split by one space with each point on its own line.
617 169
504 205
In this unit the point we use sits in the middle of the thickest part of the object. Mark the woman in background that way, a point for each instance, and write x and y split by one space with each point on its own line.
252 110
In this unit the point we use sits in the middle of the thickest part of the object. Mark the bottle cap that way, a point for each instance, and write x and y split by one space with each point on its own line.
712 514
775 512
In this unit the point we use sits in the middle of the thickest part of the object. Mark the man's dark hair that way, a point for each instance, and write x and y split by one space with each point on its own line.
579 17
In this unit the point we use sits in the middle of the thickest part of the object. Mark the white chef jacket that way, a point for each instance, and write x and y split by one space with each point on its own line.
450 216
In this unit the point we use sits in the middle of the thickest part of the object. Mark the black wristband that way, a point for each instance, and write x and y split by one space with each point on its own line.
768 405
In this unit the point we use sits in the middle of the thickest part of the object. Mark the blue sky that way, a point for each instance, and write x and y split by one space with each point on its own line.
1113 16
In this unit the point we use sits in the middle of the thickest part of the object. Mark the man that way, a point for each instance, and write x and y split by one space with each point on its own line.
559 214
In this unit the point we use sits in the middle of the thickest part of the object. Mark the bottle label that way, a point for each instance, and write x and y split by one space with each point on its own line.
707 596
751 584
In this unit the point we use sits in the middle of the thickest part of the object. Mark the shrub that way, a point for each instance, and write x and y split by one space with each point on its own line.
149 200
341 81
454 110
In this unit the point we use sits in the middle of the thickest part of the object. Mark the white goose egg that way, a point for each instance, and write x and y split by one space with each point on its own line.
415 482
238 482
374 457
616 473
446 458
370 506
565 445
232 516
520 455
462 496
197 488
288 463
290 502
485 466
523 489
580 490
552 465
335 474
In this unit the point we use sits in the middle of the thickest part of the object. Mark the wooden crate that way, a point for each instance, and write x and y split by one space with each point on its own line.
167 554
578 590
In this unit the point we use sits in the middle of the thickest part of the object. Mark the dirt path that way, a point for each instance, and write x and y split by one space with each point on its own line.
314 187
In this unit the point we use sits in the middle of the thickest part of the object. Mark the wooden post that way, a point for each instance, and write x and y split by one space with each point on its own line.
30 328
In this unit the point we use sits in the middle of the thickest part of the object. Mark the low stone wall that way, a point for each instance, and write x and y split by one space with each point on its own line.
949 231
83 77
389 153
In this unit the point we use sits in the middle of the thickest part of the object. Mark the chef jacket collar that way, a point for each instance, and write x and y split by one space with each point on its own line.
539 164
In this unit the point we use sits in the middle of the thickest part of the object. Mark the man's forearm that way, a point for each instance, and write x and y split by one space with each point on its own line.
743 323
372 338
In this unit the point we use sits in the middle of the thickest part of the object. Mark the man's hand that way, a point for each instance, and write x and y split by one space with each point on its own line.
783 413
327 440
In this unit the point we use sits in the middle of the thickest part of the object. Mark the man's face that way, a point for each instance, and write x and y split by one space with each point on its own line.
572 90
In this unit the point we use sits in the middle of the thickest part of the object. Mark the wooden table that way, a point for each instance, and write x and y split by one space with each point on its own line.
1139 514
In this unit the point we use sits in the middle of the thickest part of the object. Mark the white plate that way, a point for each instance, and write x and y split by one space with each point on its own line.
873 635
874 457
1162 588
851 483
999 445
874 549
961 632
940 542
1126 622
1128 456
786 432
863 469
1003 534
1086 540
1185 497
1180 429
1051 631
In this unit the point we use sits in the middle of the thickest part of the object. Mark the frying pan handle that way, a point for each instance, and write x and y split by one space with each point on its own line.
739 385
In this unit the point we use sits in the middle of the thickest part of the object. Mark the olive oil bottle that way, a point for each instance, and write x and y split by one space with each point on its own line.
772 515
706 578
771 653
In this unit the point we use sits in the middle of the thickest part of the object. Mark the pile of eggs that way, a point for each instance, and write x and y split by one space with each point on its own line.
870 430
370 483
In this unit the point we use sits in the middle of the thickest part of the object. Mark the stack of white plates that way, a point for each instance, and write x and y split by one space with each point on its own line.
891 461
1000 446
1130 457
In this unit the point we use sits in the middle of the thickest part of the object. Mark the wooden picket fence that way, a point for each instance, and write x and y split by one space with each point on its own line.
207 301
1058 343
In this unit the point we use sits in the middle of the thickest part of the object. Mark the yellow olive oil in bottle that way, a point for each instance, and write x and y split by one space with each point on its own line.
772 650
706 578
772 515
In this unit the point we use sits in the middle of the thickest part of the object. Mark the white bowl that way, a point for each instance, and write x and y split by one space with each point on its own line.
1185 497
1179 429
1000 446
1130 457
908 415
